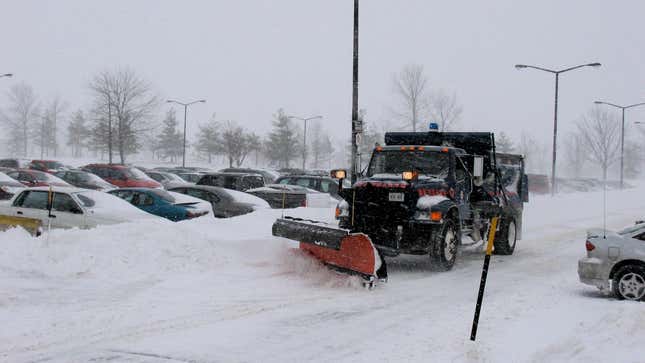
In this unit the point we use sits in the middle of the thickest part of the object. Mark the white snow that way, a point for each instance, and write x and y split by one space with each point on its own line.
210 290
426 202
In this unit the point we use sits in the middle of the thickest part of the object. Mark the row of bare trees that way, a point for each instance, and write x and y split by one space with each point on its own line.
418 102
594 144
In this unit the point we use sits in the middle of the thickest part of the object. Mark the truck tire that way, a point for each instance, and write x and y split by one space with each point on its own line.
506 239
445 244
629 283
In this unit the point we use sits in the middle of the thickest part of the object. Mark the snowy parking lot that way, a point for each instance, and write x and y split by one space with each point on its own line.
209 290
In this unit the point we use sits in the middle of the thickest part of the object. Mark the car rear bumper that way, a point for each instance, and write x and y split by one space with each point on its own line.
592 271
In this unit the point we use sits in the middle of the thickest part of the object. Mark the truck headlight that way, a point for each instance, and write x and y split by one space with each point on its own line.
342 209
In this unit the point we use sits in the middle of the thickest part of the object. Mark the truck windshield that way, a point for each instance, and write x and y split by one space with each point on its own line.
426 163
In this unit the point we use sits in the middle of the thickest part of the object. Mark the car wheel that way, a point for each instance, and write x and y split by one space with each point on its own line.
445 243
507 238
629 283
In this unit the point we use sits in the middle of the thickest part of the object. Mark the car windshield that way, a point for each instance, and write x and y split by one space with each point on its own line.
174 177
6 178
134 173
163 195
395 162
100 201
632 229
40 176
88 177
53 165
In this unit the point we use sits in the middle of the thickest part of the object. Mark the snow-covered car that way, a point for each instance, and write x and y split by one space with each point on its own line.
170 205
168 180
84 179
225 202
36 178
72 207
293 196
615 261
9 186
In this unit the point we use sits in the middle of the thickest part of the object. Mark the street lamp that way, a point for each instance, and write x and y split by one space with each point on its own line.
555 116
622 132
183 155
304 141
6 75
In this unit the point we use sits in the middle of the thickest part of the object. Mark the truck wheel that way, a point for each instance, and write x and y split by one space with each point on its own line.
629 283
506 239
445 244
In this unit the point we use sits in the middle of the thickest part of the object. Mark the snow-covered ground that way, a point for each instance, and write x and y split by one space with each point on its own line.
210 290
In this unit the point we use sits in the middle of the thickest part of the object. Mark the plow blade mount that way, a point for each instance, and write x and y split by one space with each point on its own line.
351 253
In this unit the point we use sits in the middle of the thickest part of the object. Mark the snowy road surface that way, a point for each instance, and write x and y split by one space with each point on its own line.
227 291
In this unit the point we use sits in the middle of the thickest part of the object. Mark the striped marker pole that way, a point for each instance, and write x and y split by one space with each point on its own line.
482 284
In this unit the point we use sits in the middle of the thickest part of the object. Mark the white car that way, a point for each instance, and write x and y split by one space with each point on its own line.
72 207
615 261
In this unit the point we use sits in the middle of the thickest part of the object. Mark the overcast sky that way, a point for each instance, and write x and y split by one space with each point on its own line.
248 58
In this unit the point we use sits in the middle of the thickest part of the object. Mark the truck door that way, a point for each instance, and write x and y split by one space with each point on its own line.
463 188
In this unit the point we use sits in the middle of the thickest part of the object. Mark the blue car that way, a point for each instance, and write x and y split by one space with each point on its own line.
169 205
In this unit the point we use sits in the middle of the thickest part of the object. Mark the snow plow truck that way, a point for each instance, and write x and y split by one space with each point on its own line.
420 194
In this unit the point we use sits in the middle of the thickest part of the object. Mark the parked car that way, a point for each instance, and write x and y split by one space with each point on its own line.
225 202
235 181
84 179
322 184
539 183
9 186
122 176
615 261
35 178
170 205
166 179
292 196
192 177
72 207
269 176
48 166
15 163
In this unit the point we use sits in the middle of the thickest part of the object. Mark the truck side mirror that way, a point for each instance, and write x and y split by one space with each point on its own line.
339 174
478 167
524 188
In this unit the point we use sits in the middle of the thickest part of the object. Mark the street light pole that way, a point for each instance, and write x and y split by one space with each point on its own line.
555 116
183 154
622 133
304 137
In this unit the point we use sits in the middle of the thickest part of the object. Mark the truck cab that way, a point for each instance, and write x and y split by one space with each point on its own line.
423 191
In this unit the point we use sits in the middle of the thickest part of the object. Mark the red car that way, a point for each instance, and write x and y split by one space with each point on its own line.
48 166
35 178
122 176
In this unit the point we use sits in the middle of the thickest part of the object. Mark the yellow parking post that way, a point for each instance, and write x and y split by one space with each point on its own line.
482 284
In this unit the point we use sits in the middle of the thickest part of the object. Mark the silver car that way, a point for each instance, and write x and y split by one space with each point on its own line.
615 262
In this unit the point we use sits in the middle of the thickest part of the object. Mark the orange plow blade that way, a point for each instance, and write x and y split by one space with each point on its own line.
351 253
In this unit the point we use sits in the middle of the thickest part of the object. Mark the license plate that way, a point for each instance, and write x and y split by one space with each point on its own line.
396 197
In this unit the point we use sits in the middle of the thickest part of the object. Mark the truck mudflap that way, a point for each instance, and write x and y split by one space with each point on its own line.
350 253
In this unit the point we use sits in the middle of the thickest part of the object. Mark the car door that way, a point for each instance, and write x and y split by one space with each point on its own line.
31 204
66 213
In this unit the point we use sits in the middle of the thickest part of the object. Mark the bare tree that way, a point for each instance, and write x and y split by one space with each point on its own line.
321 145
127 103
410 87
575 154
23 113
78 133
208 139
235 143
534 153
53 114
445 110
504 144
600 134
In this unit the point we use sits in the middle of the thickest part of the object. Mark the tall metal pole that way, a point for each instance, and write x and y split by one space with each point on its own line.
555 135
304 147
109 130
183 154
622 148
355 95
